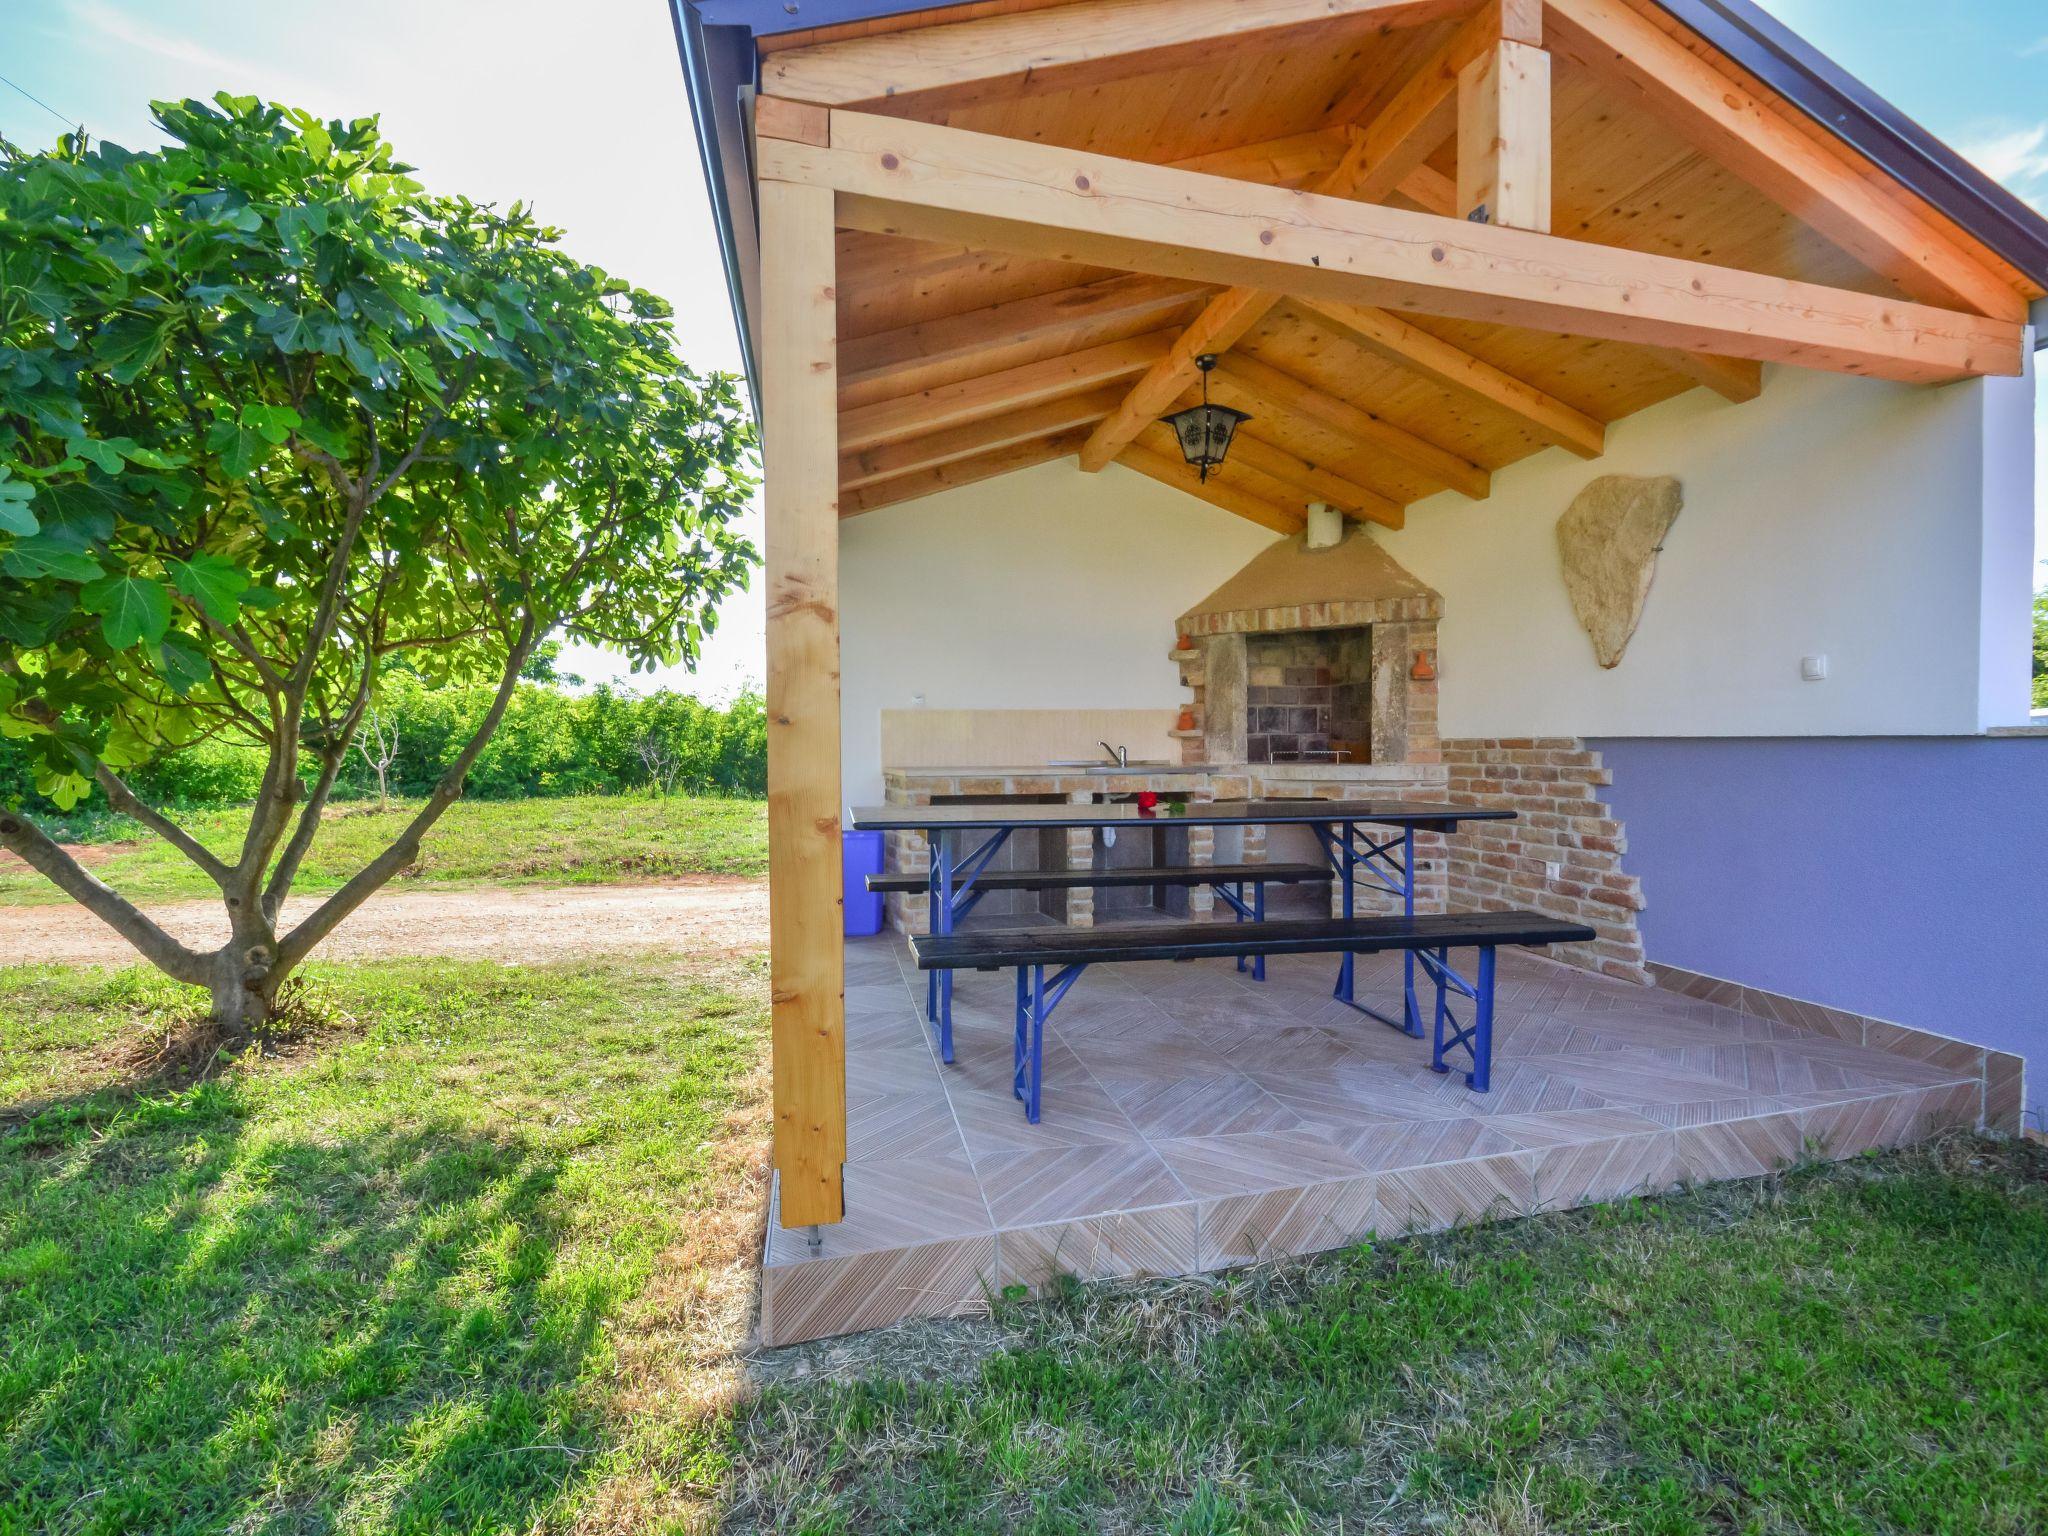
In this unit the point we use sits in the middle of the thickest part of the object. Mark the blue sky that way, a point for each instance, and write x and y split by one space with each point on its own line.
577 106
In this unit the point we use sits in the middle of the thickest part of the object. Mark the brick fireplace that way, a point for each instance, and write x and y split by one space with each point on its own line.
1312 655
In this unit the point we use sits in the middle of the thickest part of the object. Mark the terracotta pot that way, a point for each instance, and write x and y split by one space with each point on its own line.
1183 643
1186 721
1424 670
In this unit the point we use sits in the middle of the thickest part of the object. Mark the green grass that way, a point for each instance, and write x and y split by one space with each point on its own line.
420 1272
577 839
1861 1349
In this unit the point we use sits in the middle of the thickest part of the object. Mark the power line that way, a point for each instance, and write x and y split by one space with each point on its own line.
32 96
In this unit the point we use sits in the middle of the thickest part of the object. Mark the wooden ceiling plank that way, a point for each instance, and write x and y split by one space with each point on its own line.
930 181
957 64
1173 472
946 477
952 405
1284 392
1451 366
1049 419
1721 117
936 352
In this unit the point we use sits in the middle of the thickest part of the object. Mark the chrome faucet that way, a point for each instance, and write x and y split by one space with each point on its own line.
1121 756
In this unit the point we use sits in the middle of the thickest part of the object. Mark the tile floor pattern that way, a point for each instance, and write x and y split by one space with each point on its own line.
1194 1119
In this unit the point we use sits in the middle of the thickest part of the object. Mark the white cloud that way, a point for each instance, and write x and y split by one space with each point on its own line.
2035 50
2017 157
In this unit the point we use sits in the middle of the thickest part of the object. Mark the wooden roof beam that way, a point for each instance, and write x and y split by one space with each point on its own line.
1051 419
1438 360
946 477
1275 391
938 352
1721 117
1314 481
992 394
934 182
1217 491
956 64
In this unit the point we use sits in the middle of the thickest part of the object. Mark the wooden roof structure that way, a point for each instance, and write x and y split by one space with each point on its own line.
1426 239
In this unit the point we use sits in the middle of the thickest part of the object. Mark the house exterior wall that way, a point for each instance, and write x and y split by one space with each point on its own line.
1883 526
1044 589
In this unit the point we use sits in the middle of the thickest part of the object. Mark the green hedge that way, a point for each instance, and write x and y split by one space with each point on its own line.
549 743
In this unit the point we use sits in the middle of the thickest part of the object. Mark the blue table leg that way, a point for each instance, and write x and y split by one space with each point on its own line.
1413 1014
1258 915
1347 862
942 922
932 920
1482 1049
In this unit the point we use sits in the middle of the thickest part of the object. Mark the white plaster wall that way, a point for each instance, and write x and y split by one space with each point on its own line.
1869 522
1044 589
1886 527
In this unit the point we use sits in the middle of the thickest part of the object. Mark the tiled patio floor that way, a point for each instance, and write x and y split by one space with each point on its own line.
1194 1120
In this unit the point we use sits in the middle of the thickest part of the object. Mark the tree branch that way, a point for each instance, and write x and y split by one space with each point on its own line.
323 920
27 841
128 803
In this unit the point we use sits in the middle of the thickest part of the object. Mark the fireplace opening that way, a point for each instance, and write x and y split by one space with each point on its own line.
1308 696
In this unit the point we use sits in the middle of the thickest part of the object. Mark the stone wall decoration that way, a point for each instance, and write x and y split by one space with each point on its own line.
1609 537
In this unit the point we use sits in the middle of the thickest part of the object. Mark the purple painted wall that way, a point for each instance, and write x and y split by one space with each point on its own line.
1901 877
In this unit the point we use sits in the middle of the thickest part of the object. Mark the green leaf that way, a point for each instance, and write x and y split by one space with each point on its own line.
183 665
106 455
130 346
131 608
15 516
273 423
47 556
217 586
239 447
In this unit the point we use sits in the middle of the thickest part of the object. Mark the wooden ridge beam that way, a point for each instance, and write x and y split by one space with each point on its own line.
956 64
935 182
1315 482
1011 389
997 336
1438 360
1147 458
1722 118
1051 419
945 477
1283 392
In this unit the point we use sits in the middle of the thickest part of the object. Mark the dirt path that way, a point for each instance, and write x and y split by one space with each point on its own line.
501 922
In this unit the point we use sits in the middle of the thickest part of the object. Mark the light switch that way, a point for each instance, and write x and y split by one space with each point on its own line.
1813 669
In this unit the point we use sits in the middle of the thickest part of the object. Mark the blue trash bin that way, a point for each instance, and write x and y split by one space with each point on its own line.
862 857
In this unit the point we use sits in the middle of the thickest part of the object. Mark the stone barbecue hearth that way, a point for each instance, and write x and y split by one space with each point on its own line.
1314 656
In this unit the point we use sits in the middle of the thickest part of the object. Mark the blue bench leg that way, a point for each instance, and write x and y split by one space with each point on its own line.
1022 1031
1443 1011
1482 1044
1038 1012
1259 913
1237 907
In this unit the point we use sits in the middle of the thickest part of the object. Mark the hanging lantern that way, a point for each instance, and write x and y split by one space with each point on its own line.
1205 430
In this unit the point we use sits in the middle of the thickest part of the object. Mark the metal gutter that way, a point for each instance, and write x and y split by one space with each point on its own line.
716 40
717 66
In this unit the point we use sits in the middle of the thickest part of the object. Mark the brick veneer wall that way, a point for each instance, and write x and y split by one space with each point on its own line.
1550 782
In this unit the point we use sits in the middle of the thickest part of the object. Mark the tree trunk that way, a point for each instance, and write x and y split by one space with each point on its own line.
243 979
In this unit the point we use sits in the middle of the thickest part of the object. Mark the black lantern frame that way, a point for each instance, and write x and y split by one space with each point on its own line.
1205 430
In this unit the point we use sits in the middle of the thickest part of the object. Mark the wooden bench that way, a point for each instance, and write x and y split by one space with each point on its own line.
1229 880
1070 951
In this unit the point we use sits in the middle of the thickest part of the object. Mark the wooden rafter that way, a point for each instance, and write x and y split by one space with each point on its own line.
1277 391
1504 137
1012 389
1050 419
946 477
1732 378
1720 116
1413 348
1153 455
1316 482
934 182
938 352
959 63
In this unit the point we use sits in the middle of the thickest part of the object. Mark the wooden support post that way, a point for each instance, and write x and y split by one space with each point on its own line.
1504 137
807 965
